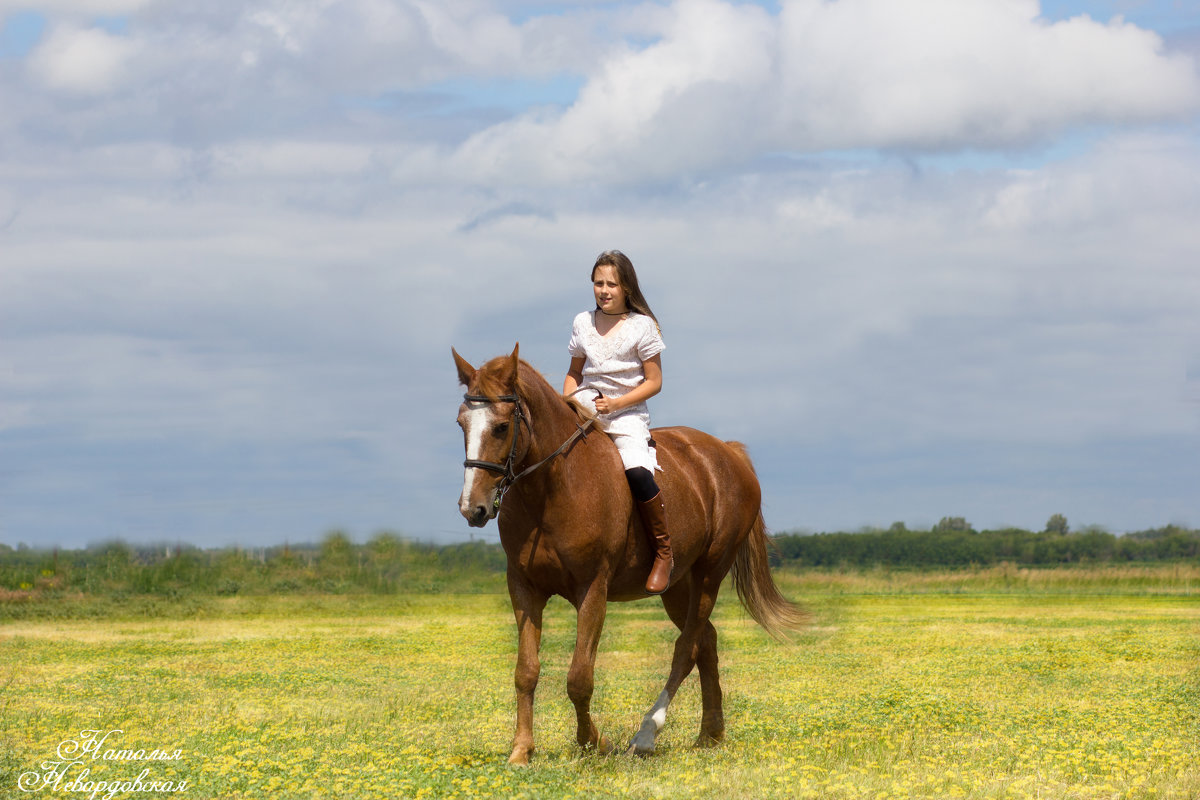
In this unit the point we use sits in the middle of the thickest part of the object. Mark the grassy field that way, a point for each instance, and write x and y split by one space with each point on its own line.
992 684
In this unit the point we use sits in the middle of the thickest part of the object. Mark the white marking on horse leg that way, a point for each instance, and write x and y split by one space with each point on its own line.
652 723
658 712
476 424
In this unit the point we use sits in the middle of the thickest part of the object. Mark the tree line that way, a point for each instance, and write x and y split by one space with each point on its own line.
954 542
388 563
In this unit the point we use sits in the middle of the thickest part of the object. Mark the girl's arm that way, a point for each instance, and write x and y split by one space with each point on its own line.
574 376
644 390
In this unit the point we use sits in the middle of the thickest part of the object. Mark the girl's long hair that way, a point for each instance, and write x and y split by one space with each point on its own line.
627 277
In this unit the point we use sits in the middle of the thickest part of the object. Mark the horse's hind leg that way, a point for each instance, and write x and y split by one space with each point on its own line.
712 720
701 599
591 611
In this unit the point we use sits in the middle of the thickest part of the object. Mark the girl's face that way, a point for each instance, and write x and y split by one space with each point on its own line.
610 297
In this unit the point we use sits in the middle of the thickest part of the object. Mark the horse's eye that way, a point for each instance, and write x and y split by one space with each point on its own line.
501 429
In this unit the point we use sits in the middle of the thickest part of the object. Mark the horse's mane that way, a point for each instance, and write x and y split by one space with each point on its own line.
579 408
489 381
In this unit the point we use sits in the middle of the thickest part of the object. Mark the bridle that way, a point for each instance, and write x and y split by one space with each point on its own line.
507 470
519 416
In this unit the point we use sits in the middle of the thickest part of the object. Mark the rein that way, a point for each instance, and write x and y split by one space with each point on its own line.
507 470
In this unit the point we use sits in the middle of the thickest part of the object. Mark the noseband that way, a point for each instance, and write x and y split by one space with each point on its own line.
508 473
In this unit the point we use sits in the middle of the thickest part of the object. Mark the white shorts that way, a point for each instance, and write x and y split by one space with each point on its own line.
630 431
636 451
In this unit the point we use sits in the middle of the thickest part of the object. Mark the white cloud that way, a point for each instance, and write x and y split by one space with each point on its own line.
725 82
473 34
292 159
82 60
694 85
1130 180
217 72
670 105
78 8
281 30
965 73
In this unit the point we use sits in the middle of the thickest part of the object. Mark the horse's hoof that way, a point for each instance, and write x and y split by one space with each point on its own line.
520 757
705 740
602 746
641 746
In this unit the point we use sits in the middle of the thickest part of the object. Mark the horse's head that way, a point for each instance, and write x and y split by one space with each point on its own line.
490 418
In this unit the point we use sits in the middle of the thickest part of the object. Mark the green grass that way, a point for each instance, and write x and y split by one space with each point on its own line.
905 686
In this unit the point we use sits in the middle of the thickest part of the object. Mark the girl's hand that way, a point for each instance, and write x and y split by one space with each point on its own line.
605 405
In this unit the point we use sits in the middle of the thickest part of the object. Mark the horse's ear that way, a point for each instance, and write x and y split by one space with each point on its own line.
466 373
514 363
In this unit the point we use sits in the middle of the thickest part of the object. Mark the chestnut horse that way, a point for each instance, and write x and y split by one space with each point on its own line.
567 528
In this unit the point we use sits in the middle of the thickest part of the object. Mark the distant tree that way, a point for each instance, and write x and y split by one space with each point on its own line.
953 524
898 527
1057 525
385 546
337 553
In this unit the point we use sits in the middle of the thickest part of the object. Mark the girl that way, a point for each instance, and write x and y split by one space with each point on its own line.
615 367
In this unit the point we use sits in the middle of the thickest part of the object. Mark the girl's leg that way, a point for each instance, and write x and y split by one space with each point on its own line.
650 507
641 483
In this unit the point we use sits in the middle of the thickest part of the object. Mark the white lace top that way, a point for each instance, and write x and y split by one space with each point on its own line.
613 364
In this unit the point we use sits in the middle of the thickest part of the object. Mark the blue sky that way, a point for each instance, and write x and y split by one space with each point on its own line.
925 259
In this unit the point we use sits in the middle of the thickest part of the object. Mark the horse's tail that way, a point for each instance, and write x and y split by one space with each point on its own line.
752 577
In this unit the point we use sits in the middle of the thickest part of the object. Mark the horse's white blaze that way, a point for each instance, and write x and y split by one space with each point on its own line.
478 421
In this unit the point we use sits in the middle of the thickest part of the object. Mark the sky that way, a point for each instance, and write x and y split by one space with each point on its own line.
925 259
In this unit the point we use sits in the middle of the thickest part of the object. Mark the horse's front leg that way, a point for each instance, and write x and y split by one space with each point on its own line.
580 680
527 605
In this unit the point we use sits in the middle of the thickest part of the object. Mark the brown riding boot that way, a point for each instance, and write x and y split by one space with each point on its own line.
654 521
